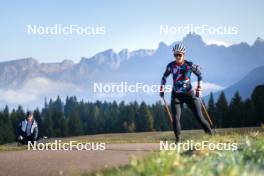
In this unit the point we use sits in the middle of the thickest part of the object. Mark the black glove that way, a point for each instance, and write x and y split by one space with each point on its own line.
161 94
162 91
198 92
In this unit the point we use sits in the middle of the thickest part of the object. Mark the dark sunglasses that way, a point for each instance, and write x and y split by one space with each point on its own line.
178 55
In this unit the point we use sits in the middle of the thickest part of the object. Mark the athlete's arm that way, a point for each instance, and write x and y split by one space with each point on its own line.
196 70
163 79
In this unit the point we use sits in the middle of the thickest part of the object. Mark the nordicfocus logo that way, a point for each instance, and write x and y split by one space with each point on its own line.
72 145
125 87
191 145
197 29
59 29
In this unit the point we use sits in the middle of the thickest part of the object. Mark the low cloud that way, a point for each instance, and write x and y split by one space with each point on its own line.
33 92
208 87
217 42
36 89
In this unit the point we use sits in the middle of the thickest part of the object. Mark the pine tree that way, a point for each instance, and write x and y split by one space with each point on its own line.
92 122
221 111
57 116
64 127
71 105
37 117
161 122
9 126
74 124
127 118
249 117
48 126
6 129
2 129
144 119
112 120
211 110
258 102
16 116
235 110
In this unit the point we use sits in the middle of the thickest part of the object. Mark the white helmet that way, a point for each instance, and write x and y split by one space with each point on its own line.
178 48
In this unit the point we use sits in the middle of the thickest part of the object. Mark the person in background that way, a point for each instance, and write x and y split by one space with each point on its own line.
27 129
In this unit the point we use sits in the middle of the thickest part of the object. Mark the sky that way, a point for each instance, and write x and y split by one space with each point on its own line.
131 24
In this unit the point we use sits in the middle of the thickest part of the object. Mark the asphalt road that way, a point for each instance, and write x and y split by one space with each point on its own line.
75 162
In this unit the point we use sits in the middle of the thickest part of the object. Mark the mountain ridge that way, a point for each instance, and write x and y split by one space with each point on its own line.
222 66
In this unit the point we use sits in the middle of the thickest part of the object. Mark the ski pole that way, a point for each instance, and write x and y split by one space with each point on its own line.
207 114
167 109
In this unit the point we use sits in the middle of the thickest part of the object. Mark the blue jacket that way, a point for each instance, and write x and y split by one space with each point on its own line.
181 75
22 128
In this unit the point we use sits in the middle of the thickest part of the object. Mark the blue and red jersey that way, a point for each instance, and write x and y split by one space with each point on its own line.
181 74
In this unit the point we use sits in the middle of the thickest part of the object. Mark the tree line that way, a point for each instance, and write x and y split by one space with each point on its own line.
74 118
